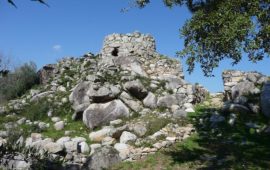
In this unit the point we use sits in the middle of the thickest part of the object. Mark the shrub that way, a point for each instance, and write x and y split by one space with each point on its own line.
18 82
37 110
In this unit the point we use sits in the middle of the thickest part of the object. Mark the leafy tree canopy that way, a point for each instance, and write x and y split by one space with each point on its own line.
222 29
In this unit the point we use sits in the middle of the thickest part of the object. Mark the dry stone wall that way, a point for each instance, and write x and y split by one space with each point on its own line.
234 77
142 47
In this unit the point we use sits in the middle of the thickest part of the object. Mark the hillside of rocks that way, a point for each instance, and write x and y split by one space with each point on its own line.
123 99
127 102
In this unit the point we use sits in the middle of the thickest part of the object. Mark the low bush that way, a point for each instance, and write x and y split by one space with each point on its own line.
16 83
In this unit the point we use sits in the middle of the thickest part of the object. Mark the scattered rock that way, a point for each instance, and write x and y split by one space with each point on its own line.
150 101
59 125
102 158
53 147
123 149
99 114
127 137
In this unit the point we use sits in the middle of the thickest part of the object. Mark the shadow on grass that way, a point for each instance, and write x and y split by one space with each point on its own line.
222 146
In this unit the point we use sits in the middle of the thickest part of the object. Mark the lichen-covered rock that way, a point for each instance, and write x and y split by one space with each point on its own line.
103 93
150 101
127 137
53 147
131 102
123 149
99 135
99 114
102 158
167 101
59 125
79 99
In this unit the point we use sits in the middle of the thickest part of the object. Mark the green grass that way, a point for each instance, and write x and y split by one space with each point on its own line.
219 146
5 119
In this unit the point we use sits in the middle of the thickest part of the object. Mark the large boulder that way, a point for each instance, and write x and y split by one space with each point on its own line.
167 101
131 102
136 89
127 137
123 149
80 101
172 81
130 63
53 147
242 89
102 158
265 99
150 101
104 93
100 114
236 108
99 135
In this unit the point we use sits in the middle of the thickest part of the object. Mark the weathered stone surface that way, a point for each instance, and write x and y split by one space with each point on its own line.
179 113
99 135
131 102
63 140
136 89
108 141
53 147
265 99
99 114
150 101
167 101
71 146
79 99
84 148
127 137
94 147
139 128
104 93
103 158
46 72
242 88
40 96
123 149
59 125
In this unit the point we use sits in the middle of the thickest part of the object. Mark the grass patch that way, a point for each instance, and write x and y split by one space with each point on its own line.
155 123
213 147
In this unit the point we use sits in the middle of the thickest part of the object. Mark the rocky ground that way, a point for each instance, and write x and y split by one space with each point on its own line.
130 108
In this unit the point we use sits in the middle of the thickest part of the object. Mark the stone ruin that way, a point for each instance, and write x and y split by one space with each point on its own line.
138 52
129 77
246 92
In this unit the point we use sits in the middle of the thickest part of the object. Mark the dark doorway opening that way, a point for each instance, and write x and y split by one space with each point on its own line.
115 51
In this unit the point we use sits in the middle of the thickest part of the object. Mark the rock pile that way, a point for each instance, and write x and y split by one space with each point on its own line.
115 91
242 90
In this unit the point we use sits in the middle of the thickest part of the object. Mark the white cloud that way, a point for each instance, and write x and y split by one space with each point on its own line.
57 47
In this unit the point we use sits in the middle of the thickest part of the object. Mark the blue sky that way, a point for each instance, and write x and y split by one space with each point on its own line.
36 33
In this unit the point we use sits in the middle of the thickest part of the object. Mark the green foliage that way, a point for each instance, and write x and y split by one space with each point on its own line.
37 110
223 29
155 123
17 83
39 161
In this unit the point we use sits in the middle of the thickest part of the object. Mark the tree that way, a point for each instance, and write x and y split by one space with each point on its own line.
222 29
